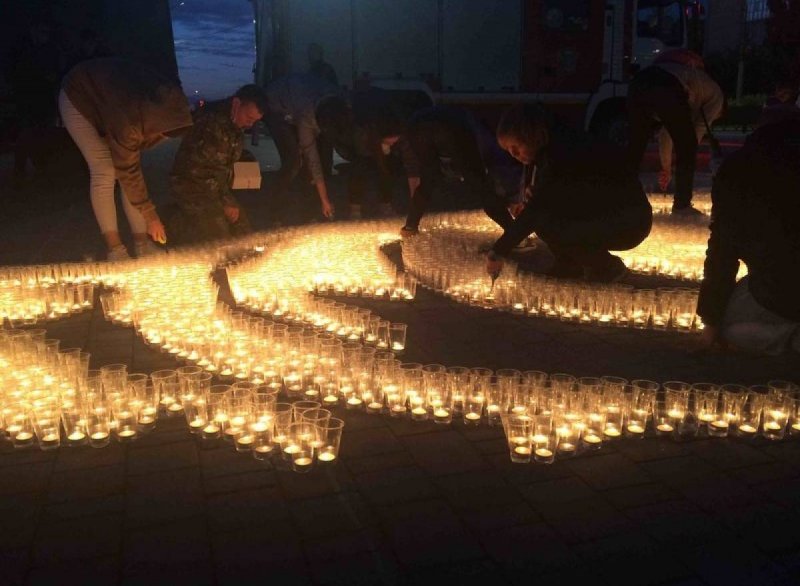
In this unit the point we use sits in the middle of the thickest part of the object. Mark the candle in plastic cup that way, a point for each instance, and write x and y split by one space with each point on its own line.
76 436
592 439
326 457
472 416
544 452
665 427
612 432
635 428
748 429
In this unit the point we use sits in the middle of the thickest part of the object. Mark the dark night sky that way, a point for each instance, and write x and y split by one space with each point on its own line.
215 45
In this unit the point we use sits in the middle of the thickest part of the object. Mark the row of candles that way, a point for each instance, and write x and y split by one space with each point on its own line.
51 398
448 266
26 305
675 248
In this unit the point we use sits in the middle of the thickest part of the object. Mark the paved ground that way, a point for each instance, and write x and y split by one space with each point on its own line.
408 503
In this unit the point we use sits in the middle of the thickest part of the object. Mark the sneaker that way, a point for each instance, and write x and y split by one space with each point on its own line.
687 212
355 211
408 231
118 253
613 271
146 248
386 210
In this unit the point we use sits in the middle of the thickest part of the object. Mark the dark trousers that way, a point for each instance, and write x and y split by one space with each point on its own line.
494 207
194 224
655 95
362 170
586 242
288 145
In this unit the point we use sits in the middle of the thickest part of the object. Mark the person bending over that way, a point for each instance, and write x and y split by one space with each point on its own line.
203 170
755 218
583 199
301 108
114 109
448 142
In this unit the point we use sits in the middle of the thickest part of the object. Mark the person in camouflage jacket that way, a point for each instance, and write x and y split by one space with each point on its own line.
202 174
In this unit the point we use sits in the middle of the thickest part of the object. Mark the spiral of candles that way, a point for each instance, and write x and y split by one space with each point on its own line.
267 378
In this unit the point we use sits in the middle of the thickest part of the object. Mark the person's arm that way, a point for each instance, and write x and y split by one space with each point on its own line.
126 157
524 225
307 138
722 258
410 164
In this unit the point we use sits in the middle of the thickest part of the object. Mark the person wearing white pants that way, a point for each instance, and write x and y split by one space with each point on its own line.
113 109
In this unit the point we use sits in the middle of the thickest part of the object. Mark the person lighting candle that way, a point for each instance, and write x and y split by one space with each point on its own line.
583 199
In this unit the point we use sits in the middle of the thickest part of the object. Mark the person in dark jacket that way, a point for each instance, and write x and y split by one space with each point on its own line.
583 200
755 218
301 108
318 67
676 93
203 171
378 132
449 143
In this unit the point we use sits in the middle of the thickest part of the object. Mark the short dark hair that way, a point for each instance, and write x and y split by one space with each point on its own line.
528 123
253 94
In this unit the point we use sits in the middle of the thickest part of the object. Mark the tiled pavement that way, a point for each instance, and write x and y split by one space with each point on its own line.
412 503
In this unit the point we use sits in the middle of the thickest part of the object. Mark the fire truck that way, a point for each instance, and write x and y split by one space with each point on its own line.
575 55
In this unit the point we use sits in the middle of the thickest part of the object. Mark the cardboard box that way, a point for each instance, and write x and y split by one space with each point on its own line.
246 175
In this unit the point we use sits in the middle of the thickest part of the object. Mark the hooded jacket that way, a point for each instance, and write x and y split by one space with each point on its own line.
133 108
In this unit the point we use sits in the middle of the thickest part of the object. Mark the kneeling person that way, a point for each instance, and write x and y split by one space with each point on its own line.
203 171
583 199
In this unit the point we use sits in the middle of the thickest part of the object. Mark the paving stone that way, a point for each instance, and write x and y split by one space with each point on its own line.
585 520
444 453
649 449
18 520
252 557
330 514
92 537
76 509
163 497
246 509
378 462
369 442
322 480
468 573
83 458
177 552
608 471
222 460
362 569
87 483
93 572
726 454
769 527
320 550
529 549
677 523
15 564
395 485
627 497
494 517
732 562
564 490
477 490
25 478
236 482
151 459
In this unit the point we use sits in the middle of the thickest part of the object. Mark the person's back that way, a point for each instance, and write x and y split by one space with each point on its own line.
756 219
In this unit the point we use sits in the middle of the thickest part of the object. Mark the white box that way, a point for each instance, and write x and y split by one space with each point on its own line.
246 175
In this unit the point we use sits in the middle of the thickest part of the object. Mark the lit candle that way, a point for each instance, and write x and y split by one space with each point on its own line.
76 436
665 427
635 428
747 428
197 423
592 439
303 462
326 457
23 436
99 435
772 426
419 411
472 416
612 432
126 433
543 453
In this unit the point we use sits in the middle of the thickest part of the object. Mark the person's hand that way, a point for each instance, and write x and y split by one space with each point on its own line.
515 209
327 208
494 266
231 213
156 231
413 185
711 340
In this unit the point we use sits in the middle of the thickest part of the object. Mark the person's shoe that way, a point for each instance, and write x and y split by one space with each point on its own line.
565 270
386 210
408 231
687 212
611 272
118 253
355 211
146 248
